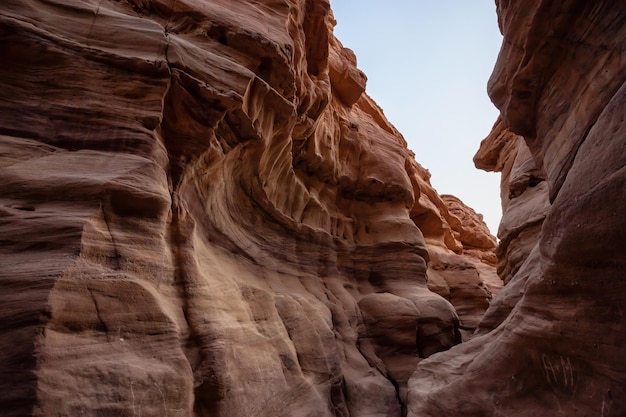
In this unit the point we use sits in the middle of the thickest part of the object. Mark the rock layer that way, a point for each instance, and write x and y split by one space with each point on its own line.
203 214
524 195
552 341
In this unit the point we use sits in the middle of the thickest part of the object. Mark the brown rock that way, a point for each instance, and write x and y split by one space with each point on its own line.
461 280
469 226
204 215
524 194
460 249
552 341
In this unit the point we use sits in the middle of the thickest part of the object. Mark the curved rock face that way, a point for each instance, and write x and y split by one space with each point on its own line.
524 194
204 215
552 341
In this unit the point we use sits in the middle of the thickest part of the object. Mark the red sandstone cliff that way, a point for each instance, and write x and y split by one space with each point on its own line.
203 214
552 342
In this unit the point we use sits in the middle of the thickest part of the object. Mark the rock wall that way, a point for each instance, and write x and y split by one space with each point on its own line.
552 341
524 196
203 214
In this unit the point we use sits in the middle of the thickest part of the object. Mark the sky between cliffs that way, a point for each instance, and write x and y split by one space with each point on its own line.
427 63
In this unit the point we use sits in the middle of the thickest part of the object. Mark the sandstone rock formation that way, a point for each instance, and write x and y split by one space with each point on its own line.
203 214
524 195
552 342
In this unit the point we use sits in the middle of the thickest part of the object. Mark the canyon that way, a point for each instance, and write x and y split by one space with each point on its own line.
203 213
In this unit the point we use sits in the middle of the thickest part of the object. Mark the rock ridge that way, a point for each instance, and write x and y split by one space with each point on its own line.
204 214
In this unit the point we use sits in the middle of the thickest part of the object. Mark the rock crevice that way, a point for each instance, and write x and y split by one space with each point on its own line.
220 221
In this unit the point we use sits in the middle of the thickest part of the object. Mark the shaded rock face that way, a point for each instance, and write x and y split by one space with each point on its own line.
552 342
204 215
524 195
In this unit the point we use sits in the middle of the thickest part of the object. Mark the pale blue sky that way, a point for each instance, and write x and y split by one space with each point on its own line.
427 63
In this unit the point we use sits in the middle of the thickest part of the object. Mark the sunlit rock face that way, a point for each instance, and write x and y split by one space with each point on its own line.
203 214
552 342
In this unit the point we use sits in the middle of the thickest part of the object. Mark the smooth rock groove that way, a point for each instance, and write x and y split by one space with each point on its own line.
203 214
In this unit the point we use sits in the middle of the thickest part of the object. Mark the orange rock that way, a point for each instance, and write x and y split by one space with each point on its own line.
203 213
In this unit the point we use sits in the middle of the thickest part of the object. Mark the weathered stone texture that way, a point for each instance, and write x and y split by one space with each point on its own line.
203 214
552 341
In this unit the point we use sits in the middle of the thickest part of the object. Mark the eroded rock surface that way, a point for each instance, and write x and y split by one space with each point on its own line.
551 343
524 195
203 214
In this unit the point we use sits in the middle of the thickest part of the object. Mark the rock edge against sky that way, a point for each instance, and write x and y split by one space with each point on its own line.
203 214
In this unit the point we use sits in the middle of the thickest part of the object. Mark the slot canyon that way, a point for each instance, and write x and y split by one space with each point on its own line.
204 214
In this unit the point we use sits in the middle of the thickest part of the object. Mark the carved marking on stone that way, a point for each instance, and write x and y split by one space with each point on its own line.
132 396
559 372
606 409
162 398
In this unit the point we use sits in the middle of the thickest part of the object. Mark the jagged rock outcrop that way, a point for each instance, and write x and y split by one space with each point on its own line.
551 343
203 214
524 195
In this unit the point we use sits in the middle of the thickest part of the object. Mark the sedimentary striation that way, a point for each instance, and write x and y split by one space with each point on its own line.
551 343
203 214
524 196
